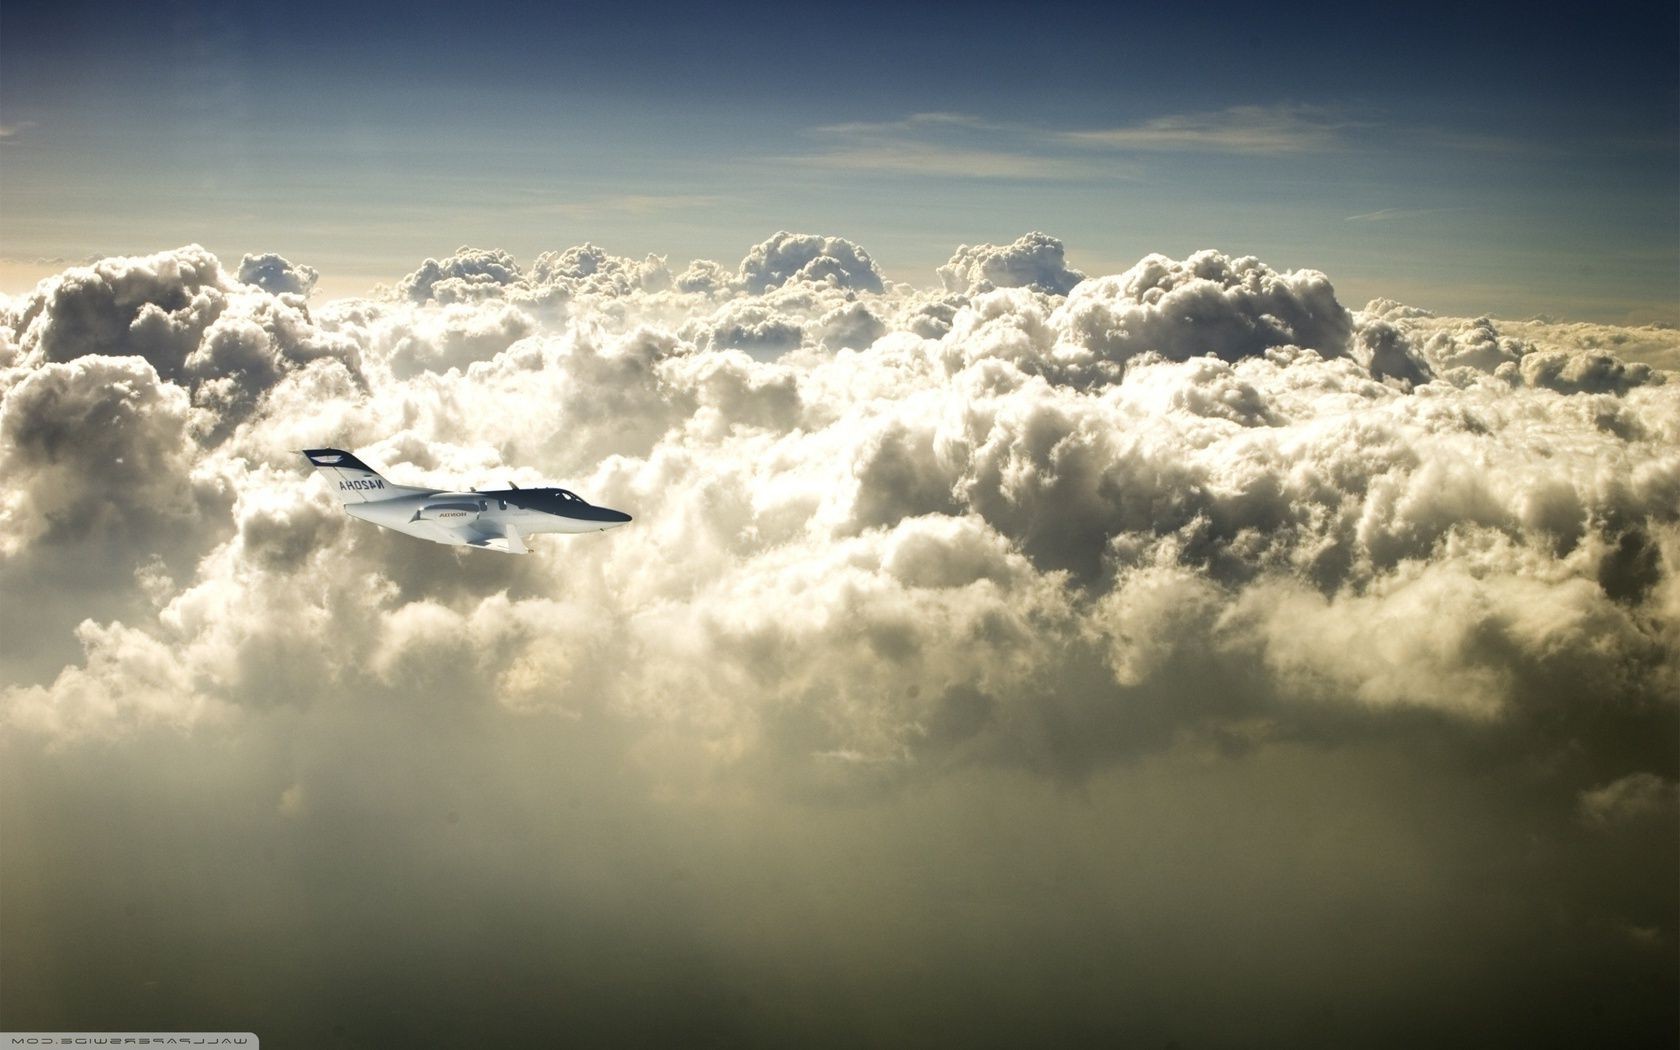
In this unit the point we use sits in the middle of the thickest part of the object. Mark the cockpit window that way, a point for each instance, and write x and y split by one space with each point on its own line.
561 496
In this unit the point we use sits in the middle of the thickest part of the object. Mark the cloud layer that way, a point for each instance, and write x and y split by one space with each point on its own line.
1031 601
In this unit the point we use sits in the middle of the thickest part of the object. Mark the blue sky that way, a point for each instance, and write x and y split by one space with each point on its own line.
1505 160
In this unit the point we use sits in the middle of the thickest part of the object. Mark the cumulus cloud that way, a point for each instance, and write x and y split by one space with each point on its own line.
803 264
225 341
1074 594
274 274
1208 303
1209 414
797 257
704 275
467 275
1034 260
751 325
154 306
853 325
1655 345
588 268
1411 345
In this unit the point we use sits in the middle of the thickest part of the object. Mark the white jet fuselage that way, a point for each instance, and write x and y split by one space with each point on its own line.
493 519
441 516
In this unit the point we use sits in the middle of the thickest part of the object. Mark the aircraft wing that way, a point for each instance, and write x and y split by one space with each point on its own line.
492 538
485 534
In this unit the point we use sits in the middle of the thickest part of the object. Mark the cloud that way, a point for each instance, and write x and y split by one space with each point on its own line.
1034 260
704 275
794 261
1629 799
1392 214
453 336
1655 345
467 275
964 146
927 159
103 495
588 268
1208 414
1206 304
275 275
852 326
789 257
1384 347
1282 129
949 145
1566 358
153 306
957 629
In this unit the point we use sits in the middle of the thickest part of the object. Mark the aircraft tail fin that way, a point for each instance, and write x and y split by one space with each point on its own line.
352 480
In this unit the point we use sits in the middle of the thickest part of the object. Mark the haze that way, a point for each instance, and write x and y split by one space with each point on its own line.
1149 529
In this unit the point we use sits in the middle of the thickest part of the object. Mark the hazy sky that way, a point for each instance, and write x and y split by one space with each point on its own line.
1483 158
1038 642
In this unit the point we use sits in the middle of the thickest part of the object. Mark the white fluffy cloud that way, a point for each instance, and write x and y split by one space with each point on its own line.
1027 526
586 268
273 273
1206 304
801 257
1306 477
468 275
1034 260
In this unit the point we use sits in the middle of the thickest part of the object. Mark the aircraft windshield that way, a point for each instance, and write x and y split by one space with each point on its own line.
538 497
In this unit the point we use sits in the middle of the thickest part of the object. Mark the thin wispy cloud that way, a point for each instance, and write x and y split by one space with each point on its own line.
911 158
912 123
46 260
950 145
1240 129
968 146
1393 214
8 131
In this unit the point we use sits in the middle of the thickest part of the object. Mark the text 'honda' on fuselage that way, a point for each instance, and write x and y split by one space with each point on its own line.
497 520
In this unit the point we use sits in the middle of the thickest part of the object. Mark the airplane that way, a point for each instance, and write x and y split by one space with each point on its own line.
496 520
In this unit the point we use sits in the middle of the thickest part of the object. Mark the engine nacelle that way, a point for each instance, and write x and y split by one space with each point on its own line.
449 512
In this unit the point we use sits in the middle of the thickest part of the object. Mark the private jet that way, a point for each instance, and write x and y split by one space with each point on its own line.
496 520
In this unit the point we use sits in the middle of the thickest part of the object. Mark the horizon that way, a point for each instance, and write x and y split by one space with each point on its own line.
19 280
1378 145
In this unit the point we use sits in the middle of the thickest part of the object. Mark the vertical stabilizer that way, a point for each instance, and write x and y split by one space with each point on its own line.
352 480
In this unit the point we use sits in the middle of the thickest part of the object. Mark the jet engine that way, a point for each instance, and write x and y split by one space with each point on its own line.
449 512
